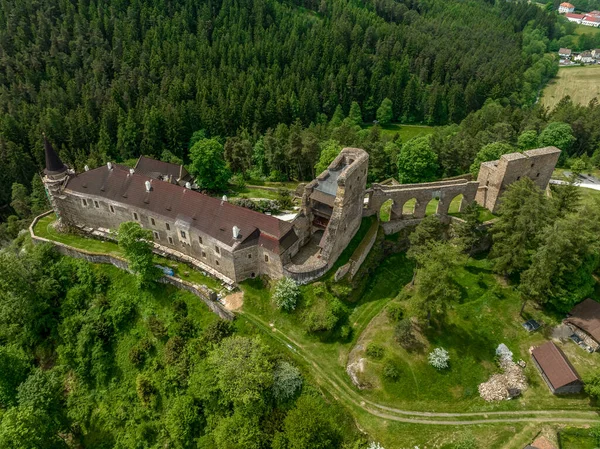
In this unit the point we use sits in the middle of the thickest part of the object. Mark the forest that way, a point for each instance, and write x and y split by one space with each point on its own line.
113 80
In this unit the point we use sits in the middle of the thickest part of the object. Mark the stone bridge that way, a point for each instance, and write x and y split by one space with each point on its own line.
423 193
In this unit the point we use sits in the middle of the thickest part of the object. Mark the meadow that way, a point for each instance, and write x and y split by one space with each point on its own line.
582 84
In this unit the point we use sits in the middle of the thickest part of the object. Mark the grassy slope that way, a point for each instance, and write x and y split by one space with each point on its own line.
406 132
45 229
582 29
581 83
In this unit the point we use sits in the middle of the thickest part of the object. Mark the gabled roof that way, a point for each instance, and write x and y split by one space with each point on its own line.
564 51
567 5
574 16
586 316
555 365
209 215
590 18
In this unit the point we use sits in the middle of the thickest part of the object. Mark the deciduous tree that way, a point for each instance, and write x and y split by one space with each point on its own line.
208 165
136 243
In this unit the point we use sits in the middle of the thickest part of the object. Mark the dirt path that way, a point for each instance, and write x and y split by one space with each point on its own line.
346 394
234 302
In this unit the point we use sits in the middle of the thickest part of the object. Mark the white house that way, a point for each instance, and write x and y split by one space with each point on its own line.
591 21
585 57
565 8
596 53
564 53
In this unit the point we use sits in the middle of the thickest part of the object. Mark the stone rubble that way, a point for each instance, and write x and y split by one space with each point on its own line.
507 385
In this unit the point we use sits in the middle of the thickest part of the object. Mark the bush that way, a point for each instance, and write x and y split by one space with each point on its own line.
187 328
395 312
325 318
173 349
439 358
180 308
217 331
391 371
157 327
284 197
374 351
403 333
145 390
286 294
287 381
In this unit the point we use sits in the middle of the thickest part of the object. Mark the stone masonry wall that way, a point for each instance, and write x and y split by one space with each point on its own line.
201 291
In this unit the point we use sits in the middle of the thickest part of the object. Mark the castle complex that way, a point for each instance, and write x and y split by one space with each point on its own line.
234 243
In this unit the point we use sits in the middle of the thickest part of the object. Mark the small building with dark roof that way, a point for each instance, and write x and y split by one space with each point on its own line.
584 320
556 370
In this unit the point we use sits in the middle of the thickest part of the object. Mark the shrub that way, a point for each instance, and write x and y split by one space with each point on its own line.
345 332
324 318
187 328
439 358
157 327
174 349
287 381
403 333
180 308
217 331
284 197
342 291
286 294
145 390
395 312
374 351
391 371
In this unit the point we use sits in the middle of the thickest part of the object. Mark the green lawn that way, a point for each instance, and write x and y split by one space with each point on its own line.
582 29
574 438
486 316
45 229
406 132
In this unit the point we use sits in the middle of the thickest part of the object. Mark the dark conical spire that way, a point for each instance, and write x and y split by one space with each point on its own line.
53 163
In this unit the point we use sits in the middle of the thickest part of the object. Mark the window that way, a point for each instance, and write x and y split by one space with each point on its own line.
203 254
135 216
532 164
171 240
152 221
537 176
156 235
249 256
266 258
217 250
217 262
168 226
84 202
200 239
518 177
182 234
96 204
112 209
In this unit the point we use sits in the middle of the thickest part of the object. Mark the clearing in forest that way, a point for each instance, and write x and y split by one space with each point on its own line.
581 83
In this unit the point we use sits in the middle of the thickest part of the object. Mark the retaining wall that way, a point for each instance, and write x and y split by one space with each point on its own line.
208 296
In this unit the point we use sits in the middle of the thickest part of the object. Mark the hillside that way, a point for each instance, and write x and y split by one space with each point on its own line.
112 80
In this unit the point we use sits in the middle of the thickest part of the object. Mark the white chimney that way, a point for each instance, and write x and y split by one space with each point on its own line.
131 171
224 198
148 186
86 168
109 165
188 186
236 232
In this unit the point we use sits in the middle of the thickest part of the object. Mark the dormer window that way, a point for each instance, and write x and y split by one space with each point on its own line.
182 234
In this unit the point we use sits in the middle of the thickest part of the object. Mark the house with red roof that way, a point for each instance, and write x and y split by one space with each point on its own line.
566 7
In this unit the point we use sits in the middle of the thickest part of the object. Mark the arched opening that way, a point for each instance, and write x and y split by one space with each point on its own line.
432 206
454 207
408 208
385 212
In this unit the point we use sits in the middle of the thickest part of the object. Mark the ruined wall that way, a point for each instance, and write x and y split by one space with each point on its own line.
446 191
495 176
348 204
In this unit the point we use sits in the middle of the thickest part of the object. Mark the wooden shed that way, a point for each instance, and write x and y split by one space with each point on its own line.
556 369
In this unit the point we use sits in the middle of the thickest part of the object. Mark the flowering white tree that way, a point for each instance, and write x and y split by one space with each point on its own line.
286 294
439 358
375 445
503 352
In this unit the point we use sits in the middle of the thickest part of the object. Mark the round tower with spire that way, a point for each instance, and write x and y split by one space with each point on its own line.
56 175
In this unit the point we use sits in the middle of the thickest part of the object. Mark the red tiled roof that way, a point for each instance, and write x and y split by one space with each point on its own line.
586 316
555 365
594 19
567 5
205 213
574 16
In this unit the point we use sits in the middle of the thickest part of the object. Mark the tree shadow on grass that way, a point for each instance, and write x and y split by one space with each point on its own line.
465 343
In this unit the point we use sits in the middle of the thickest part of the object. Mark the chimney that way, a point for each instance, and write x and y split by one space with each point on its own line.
86 168
148 186
109 165
188 186
236 232
131 171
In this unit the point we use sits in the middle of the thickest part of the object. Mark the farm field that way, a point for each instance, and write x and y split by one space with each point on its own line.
581 83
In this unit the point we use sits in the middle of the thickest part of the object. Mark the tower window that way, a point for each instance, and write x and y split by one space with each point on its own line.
156 235
249 256
182 234
135 216
203 254
96 204
168 226
171 240
84 202
112 209
152 221
200 239
217 262
217 250
266 258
